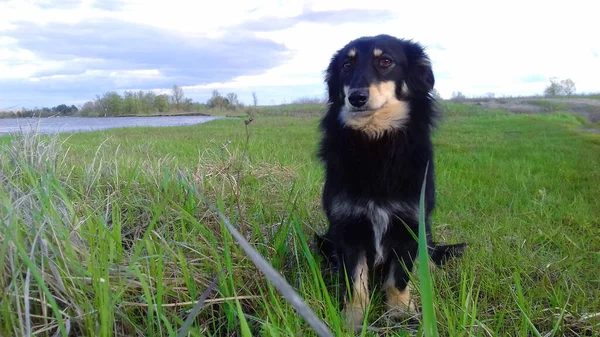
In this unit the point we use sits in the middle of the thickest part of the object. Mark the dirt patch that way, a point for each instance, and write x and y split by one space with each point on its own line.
591 129
588 108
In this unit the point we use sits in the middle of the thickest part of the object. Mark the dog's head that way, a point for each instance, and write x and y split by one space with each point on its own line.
372 79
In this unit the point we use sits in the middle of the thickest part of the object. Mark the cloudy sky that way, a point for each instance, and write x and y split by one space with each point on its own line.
68 51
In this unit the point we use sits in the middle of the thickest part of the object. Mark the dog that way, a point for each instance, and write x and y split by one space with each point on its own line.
375 146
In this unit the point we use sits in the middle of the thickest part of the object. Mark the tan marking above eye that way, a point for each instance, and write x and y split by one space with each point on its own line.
352 52
377 52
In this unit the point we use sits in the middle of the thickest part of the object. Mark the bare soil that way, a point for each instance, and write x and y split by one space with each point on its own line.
589 108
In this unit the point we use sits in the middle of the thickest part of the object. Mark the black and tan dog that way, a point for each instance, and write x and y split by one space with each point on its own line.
376 144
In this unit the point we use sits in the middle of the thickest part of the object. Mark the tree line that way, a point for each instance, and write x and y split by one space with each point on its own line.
148 103
140 102
556 88
59 110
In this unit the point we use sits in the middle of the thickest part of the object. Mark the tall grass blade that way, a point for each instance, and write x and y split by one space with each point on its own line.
245 329
196 309
277 280
521 303
429 320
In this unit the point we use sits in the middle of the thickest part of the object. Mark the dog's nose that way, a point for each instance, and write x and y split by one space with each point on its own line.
358 97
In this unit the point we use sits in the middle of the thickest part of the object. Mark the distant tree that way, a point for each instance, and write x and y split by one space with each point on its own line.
254 98
187 105
218 101
161 103
560 88
178 97
490 95
102 103
233 99
568 86
115 104
87 109
457 96
554 88
62 109
148 99
131 104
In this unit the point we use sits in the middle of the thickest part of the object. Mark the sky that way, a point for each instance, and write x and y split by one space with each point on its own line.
69 51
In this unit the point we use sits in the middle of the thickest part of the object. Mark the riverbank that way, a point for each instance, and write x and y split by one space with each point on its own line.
86 124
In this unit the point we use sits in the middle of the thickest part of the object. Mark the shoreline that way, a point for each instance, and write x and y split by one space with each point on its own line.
72 124
155 115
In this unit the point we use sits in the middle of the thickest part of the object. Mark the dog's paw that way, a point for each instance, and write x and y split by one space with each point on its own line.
401 311
354 317
399 302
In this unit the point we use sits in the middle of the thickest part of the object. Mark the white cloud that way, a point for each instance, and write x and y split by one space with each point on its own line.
19 63
474 48
483 51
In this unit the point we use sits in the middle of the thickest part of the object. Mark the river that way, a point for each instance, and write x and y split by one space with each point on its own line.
82 124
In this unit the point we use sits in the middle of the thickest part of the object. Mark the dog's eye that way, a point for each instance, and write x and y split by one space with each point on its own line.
385 62
346 66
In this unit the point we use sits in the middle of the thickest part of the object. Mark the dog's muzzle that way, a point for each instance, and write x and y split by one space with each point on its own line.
358 97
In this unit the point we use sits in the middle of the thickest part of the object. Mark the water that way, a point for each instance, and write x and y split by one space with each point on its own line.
84 124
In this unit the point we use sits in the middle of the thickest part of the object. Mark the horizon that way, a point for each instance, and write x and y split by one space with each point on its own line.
69 52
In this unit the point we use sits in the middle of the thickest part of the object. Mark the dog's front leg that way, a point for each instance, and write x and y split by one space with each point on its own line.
356 271
397 286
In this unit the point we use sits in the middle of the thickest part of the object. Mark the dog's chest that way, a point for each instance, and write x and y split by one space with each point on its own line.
380 221
378 215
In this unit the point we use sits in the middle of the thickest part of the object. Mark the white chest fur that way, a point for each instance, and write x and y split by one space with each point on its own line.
379 216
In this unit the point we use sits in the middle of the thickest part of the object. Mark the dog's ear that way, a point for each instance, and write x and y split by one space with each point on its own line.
420 74
332 79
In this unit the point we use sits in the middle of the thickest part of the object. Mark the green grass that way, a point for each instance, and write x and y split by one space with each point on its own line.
100 236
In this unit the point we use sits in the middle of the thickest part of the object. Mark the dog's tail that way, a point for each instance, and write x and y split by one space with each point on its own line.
440 254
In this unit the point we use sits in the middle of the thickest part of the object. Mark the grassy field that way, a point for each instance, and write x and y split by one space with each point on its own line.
103 234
